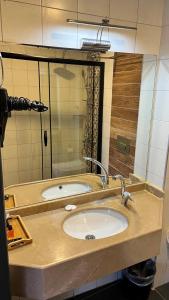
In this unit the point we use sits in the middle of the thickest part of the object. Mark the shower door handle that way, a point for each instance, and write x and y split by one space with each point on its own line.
45 138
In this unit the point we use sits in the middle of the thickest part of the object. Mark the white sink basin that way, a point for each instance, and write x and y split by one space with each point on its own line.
95 224
65 190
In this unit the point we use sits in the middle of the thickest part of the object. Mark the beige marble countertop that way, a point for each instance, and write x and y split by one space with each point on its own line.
58 263
30 193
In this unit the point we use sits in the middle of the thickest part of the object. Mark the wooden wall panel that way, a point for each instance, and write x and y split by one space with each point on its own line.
124 113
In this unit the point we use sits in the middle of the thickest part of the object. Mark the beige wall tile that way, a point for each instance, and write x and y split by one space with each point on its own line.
148 39
124 9
99 8
122 40
10 138
21 23
150 12
70 5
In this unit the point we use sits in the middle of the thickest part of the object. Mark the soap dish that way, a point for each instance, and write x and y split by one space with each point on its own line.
21 235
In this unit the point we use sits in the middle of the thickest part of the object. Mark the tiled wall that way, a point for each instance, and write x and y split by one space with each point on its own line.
44 22
160 123
145 115
160 135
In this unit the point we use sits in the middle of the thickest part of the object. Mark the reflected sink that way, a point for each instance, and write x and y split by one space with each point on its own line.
65 190
96 223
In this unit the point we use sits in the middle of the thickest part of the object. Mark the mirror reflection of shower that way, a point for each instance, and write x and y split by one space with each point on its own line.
51 144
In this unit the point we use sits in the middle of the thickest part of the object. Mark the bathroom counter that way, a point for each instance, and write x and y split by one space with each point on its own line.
30 193
55 262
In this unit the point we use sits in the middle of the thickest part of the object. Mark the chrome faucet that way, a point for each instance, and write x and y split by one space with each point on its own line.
105 177
126 196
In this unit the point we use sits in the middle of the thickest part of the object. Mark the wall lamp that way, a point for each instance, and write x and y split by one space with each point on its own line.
105 23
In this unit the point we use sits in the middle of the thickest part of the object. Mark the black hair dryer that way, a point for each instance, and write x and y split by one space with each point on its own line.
9 103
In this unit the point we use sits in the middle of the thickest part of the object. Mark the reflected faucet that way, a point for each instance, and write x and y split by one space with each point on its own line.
126 196
105 177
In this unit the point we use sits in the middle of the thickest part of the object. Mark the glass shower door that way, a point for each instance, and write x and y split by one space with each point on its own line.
70 127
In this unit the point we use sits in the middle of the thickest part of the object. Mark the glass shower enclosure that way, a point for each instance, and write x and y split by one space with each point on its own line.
72 126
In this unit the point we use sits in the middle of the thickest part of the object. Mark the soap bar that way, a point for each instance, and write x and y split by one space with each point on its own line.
70 207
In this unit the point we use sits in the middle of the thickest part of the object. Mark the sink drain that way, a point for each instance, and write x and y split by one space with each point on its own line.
90 237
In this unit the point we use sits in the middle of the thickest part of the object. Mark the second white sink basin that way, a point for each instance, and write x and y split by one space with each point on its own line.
95 224
65 190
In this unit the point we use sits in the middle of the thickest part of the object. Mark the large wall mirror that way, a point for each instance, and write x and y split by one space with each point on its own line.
99 106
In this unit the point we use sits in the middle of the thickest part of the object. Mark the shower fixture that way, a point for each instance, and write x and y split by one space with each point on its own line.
63 71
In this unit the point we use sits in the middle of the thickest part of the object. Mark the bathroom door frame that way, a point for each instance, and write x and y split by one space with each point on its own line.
49 60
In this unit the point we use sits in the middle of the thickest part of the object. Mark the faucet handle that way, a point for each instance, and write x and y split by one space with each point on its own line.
118 176
126 196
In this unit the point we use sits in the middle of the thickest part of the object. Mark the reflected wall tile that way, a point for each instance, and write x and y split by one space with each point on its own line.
36 149
33 93
10 165
10 138
23 137
19 65
9 152
21 91
10 178
32 78
24 150
20 77
24 164
36 174
23 123
25 176
46 173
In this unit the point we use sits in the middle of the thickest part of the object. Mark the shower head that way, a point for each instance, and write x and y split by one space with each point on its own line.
64 73
95 45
